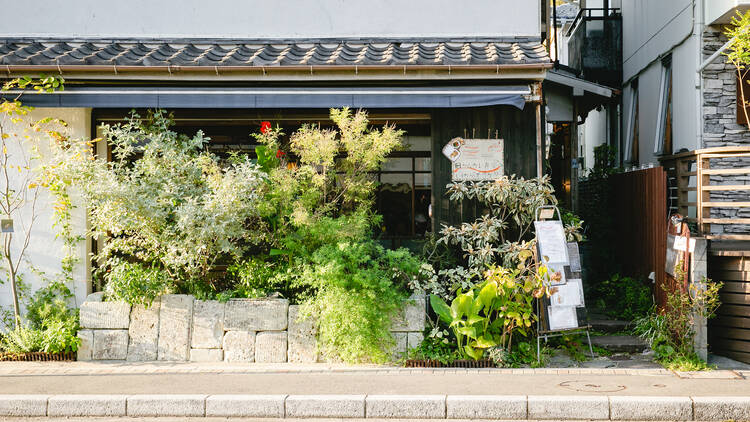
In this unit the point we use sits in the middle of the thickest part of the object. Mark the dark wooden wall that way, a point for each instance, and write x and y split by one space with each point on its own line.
516 127
729 332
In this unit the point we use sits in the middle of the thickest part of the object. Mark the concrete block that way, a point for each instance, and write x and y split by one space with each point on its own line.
86 347
208 324
110 345
721 408
206 355
270 347
175 318
412 317
302 345
144 333
650 408
326 406
486 407
23 405
86 405
568 407
105 315
239 346
167 405
95 297
256 314
401 345
249 406
413 340
418 407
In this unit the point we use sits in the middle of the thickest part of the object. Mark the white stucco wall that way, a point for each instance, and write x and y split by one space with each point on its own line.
45 252
594 134
264 19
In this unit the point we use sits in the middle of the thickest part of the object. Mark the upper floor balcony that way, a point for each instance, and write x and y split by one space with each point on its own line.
721 11
595 45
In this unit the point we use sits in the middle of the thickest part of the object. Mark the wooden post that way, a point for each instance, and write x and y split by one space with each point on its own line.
539 152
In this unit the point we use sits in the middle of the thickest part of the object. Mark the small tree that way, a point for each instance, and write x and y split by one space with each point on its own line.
19 185
739 55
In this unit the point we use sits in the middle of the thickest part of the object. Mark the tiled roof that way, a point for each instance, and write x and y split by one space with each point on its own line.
501 51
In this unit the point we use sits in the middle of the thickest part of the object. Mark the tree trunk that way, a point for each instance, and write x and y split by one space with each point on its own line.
13 284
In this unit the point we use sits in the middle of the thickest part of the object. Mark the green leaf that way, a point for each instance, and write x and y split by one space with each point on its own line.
483 342
473 353
441 309
462 305
470 332
488 294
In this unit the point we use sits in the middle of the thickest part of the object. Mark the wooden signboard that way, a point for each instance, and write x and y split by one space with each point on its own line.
475 159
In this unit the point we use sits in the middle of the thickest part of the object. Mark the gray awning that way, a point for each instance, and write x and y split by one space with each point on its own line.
355 97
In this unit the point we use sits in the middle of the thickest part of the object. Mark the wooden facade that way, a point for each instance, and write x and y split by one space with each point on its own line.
729 332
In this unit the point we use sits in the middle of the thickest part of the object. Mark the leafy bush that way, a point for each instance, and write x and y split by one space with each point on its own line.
623 297
433 348
136 283
360 287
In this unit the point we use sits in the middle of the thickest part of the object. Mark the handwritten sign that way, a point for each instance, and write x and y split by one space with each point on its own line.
562 317
568 294
475 159
550 236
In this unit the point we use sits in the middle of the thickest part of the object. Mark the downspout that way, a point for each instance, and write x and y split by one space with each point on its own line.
699 83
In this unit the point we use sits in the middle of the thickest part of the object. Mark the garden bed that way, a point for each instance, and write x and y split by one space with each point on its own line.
38 357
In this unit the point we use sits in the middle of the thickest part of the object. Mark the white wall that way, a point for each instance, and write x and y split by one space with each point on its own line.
594 134
45 252
269 19
651 28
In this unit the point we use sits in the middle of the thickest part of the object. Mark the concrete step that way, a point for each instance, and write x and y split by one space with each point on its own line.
620 344
604 325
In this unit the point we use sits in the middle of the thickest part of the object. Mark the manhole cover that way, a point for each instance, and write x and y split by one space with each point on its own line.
592 386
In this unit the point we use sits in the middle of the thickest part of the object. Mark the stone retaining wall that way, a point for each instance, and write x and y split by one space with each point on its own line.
181 328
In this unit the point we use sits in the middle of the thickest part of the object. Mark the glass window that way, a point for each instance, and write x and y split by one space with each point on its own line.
630 150
663 141
404 195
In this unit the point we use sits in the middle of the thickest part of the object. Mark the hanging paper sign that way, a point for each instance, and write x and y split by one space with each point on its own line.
475 159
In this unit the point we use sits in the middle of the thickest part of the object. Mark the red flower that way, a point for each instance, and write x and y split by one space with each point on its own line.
280 153
265 127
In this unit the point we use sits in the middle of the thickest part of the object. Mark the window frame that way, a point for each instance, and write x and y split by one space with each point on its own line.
664 121
629 153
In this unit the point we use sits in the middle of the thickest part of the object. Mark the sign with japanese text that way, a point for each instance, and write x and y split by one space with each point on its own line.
475 159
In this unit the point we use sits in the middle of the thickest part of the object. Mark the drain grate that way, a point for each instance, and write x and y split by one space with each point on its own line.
592 386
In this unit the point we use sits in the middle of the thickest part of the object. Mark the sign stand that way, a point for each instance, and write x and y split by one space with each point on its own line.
555 248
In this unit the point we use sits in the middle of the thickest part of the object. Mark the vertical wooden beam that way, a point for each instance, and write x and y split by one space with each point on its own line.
539 152
703 196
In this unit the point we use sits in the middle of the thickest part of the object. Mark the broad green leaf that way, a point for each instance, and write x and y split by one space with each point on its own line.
441 309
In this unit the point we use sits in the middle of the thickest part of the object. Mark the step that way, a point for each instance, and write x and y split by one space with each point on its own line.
624 344
609 325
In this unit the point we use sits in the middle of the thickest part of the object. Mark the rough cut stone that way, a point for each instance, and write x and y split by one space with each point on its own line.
144 332
270 347
208 324
110 345
239 346
412 317
401 344
414 340
175 318
256 315
95 297
301 338
107 315
86 347
206 355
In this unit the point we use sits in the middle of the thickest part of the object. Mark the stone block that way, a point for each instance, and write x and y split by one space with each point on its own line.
206 355
208 324
721 408
144 333
175 318
105 315
256 314
110 345
413 340
167 405
270 347
568 407
23 405
239 346
412 317
86 405
95 297
86 347
325 406
486 407
302 346
401 345
713 84
247 406
418 407
650 408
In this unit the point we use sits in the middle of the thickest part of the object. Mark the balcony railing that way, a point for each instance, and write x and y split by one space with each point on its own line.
595 45
702 185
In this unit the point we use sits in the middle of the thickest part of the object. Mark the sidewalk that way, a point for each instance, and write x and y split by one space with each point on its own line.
325 390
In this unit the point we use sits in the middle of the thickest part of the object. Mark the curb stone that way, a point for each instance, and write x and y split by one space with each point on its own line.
486 407
649 408
568 407
721 408
87 405
23 405
167 405
417 406
258 406
325 406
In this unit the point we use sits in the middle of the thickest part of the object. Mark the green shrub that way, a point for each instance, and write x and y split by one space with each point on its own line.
360 288
433 348
623 297
136 283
